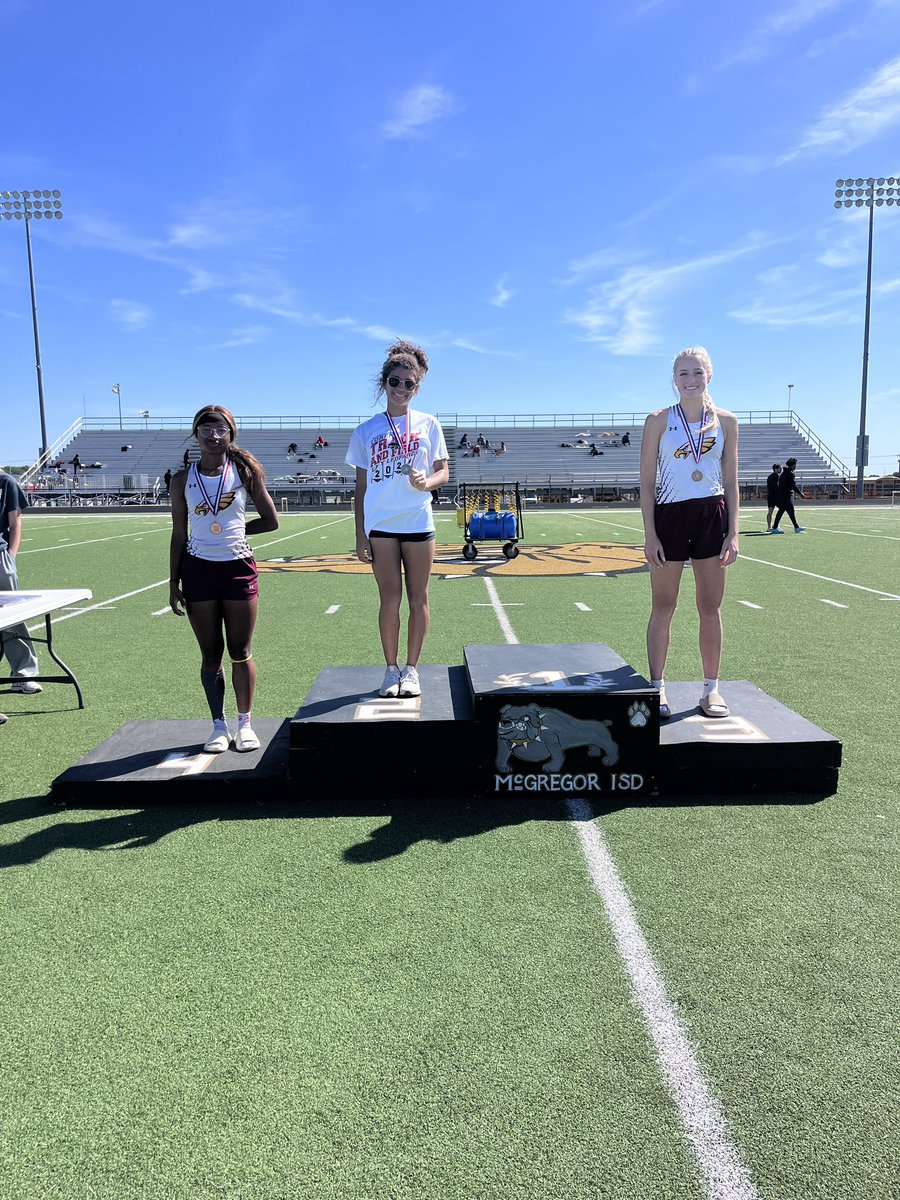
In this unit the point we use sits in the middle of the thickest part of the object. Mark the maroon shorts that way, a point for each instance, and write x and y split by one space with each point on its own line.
204 579
692 528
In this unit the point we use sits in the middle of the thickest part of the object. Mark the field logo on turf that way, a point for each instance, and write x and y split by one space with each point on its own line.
569 558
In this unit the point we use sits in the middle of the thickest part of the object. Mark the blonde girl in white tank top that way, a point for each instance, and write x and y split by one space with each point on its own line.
683 487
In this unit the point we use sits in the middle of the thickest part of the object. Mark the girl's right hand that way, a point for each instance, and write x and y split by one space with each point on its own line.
176 599
363 550
653 551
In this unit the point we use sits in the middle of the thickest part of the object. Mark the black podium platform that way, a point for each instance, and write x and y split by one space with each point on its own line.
533 722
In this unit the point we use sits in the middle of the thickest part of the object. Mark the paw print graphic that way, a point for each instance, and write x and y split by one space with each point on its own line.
638 714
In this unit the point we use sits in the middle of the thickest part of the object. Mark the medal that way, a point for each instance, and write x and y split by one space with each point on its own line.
213 504
404 467
696 449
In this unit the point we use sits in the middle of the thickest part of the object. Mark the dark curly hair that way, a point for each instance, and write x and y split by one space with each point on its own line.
401 354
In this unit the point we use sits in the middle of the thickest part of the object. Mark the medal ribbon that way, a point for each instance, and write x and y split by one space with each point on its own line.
213 504
695 450
401 442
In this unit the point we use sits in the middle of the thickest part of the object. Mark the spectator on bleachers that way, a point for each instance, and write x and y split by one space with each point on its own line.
75 464
501 449
186 461
292 449
167 479
626 438
482 441
463 441
476 451
594 451
320 442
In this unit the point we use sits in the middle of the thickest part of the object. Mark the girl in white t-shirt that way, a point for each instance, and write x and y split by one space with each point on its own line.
212 572
400 457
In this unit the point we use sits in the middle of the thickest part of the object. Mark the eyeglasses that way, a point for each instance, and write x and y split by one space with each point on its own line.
395 381
221 430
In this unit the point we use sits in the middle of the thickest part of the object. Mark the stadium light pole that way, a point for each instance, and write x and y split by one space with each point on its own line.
871 193
790 389
29 206
117 392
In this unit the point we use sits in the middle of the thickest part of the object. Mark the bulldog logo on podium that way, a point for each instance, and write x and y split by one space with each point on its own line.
537 734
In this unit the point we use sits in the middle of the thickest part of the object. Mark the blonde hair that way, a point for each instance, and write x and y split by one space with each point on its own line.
701 353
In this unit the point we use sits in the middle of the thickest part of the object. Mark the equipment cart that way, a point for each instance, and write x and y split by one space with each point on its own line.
490 512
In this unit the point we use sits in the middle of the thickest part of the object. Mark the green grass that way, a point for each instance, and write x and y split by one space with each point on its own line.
239 1001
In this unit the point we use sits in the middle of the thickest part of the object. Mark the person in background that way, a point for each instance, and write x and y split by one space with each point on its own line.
212 571
787 489
626 438
463 441
400 457
167 480
14 642
772 492
75 464
689 502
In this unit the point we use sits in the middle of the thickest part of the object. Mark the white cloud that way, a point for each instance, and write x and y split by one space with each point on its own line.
250 335
860 117
768 38
502 294
621 313
129 313
833 308
418 107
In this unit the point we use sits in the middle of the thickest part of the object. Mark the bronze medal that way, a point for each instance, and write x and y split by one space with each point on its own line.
696 476
215 527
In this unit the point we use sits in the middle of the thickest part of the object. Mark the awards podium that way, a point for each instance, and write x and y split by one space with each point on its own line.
544 722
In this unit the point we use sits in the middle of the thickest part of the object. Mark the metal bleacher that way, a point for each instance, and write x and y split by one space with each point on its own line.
550 456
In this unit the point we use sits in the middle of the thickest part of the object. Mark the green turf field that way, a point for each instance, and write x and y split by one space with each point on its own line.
243 1002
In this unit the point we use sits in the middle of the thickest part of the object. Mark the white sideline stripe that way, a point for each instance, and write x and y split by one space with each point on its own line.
300 532
583 607
834 604
854 533
331 610
704 1122
501 615
748 604
825 578
93 541
103 604
701 1115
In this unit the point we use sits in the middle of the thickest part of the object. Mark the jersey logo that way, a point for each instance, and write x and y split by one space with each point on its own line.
203 510
685 451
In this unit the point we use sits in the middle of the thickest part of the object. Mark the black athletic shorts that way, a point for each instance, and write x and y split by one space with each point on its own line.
692 528
427 536
204 579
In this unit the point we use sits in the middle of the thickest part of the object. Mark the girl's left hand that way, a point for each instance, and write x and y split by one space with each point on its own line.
417 479
729 551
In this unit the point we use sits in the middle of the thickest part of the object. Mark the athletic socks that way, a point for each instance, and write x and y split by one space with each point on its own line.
710 686
214 686
660 685
243 719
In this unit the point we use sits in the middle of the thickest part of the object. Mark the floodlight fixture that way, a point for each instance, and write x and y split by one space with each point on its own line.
36 204
871 194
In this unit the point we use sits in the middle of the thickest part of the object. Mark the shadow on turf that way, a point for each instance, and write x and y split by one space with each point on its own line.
409 821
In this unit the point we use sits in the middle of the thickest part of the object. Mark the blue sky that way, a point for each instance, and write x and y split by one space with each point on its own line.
551 198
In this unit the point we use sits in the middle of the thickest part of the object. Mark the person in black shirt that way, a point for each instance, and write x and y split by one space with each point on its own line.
787 489
772 492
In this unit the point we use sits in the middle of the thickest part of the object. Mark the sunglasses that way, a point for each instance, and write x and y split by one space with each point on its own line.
395 381
221 430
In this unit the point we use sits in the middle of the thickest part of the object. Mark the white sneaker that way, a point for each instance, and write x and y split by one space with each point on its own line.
390 685
219 740
409 682
246 739
27 687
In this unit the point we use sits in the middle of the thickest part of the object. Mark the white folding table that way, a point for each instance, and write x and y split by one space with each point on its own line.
18 608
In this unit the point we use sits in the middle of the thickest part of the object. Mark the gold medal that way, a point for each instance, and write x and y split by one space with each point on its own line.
215 527
695 475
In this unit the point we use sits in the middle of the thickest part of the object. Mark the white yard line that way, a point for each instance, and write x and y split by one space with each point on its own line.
834 603
161 612
103 604
825 578
93 541
702 1117
331 610
748 604
852 533
701 1114
300 532
583 607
